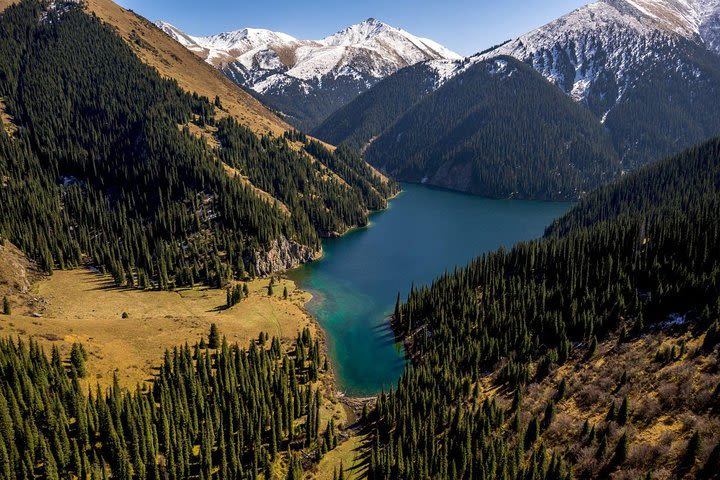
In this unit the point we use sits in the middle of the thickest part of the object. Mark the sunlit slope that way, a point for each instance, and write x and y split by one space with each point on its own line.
155 48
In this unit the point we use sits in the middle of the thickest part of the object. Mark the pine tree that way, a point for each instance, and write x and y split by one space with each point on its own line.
7 309
691 452
593 348
78 356
214 337
621 451
622 415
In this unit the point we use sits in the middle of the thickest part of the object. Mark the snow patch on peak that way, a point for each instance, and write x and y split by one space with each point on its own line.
363 53
444 70
684 17
178 35
241 41
605 41
358 33
497 66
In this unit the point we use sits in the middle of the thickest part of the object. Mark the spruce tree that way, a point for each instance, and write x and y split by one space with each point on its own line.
691 452
622 415
214 337
78 356
621 450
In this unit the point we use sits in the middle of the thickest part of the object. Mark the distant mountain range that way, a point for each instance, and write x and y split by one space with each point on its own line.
306 80
648 71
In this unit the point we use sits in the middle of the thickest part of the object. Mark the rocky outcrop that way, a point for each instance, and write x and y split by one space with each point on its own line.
282 254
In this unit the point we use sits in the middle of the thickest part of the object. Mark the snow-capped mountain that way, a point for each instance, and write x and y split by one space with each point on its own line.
649 70
646 68
327 73
610 39
607 37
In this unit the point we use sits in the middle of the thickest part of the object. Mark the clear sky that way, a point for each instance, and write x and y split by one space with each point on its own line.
465 26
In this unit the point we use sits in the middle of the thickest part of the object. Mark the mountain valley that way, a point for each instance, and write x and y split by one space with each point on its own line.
210 270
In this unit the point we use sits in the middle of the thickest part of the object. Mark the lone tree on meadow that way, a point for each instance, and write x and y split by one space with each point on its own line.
621 450
7 310
214 337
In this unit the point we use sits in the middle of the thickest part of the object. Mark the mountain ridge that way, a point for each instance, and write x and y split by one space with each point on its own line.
498 130
306 80
648 72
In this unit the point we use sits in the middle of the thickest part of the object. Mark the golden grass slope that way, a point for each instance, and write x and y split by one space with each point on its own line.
81 306
6 121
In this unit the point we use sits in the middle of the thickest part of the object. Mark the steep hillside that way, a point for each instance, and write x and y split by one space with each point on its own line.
114 165
632 407
155 49
372 112
306 80
649 70
498 129
172 61
518 321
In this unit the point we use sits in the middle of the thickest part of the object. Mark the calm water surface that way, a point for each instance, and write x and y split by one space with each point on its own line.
425 232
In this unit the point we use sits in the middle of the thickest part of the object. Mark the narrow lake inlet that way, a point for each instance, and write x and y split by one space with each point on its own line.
425 232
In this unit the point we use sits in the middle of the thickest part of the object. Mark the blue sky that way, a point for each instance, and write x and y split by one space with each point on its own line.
462 25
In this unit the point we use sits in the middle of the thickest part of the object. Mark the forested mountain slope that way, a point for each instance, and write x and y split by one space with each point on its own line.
171 60
371 113
113 164
649 71
500 130
513 317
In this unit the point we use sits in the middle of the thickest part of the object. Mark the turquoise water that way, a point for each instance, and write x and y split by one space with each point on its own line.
425 232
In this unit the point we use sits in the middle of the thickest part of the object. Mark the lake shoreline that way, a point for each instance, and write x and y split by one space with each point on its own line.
423 233
353 404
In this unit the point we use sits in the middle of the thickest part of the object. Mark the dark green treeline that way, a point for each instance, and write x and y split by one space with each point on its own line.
221 414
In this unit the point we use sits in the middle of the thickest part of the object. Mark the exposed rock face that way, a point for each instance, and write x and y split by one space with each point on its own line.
17 272
282 254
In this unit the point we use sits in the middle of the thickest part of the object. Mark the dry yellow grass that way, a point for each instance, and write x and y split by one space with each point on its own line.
6 120
80 306
349 454
667 401
208 133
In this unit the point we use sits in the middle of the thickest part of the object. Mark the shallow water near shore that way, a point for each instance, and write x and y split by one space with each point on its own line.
425 232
